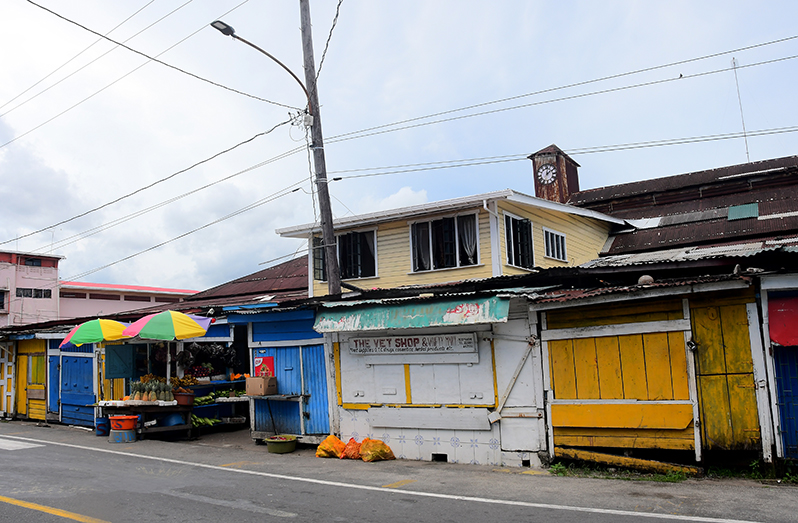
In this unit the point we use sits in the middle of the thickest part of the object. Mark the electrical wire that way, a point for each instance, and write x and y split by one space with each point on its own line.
268 199
575 84
69 61
353 135
329 37
108 225
154 59
263 201
128 195
470 162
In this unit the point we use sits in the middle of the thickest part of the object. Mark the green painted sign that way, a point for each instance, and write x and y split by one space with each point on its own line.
380 316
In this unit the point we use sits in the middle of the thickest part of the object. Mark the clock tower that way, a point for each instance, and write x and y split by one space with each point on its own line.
556 175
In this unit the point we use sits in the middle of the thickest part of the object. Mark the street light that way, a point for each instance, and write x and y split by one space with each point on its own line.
228 30
317 145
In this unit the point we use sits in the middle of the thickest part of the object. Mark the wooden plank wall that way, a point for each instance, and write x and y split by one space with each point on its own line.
604 380
584 237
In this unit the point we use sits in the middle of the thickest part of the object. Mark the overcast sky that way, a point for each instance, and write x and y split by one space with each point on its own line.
84 122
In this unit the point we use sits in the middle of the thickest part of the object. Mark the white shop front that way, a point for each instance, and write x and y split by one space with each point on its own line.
449 380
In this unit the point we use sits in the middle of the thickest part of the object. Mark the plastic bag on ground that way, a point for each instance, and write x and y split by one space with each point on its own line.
352 450
331 447
375 450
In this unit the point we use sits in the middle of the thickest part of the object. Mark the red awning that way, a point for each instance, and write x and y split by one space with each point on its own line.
783 320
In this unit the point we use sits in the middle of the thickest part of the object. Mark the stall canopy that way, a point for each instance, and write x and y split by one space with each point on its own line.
782 314
377 315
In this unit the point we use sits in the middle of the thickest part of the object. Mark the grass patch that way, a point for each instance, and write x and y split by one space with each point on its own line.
597 471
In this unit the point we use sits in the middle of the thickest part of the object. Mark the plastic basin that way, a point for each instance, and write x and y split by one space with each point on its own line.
123 422
280 444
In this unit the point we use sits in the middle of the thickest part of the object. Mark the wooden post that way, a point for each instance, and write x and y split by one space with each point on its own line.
317 146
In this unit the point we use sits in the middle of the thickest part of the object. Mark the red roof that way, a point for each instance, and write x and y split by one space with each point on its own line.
114 286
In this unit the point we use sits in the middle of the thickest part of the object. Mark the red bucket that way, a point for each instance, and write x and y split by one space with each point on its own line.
123 422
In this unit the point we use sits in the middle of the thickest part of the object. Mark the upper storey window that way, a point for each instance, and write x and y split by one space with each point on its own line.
445 243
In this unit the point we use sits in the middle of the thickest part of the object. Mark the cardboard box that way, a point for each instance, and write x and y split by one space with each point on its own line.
261 386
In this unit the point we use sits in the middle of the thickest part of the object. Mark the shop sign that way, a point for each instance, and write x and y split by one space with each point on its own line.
419 344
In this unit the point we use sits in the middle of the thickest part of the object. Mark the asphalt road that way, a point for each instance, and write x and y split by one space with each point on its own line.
63 474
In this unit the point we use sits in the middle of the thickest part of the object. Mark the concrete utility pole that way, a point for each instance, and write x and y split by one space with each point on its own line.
317 145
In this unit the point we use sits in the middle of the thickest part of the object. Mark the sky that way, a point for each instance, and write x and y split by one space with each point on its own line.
171 160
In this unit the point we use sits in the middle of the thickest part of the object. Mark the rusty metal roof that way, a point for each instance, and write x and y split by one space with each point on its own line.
688 254
285 277
681 188
566 295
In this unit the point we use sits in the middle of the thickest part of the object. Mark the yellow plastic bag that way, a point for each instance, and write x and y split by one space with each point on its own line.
352 450
375 450
331 447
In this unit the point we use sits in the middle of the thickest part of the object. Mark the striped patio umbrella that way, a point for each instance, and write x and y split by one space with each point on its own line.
168 325
95 331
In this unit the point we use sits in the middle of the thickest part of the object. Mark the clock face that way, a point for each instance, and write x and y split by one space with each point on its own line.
547 173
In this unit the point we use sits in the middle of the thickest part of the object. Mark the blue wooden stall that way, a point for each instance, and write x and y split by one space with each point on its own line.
301 406
76 379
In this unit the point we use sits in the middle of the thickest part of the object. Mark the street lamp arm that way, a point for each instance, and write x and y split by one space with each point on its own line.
307 95
228 31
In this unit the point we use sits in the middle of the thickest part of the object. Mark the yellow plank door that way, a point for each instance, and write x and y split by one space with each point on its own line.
22 385
30 386
725 375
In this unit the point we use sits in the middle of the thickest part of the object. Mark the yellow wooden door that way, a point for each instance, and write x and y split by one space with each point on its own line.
22 385
31 375
725 376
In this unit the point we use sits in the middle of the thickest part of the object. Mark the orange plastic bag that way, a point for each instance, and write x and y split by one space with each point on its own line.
352 450
331 447
375 450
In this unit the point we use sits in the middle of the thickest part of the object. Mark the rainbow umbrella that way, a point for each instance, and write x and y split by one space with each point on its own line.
168 325
95 331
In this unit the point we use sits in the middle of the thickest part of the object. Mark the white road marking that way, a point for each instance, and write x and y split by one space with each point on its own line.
474 499
239 504
7 444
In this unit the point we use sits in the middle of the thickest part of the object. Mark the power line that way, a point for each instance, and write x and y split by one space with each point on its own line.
108 225
329 37
268 199
576 84
69 61
354 135
153 59
128 195
470 162
263 201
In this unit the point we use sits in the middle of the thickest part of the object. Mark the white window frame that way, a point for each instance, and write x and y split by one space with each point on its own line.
557 236
508 260
458 265
372 230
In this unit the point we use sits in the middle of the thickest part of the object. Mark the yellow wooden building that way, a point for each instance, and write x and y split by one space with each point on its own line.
492 234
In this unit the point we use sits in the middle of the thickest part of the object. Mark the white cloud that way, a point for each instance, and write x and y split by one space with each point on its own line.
404 197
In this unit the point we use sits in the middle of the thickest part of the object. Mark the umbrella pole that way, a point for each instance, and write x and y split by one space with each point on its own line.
168 362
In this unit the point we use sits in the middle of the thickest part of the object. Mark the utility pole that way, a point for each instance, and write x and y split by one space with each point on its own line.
317 146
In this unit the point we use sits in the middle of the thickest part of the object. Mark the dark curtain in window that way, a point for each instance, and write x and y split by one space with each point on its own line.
356 255
319 266
444 244
421 254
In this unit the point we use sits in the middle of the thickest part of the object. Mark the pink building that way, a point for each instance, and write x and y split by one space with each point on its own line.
30 292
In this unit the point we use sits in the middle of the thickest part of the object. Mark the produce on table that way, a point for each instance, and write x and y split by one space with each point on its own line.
196 421
152 390
185 381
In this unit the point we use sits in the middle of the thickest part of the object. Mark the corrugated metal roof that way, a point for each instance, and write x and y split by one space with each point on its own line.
735 250
710 231
565 295
694 179
285 277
